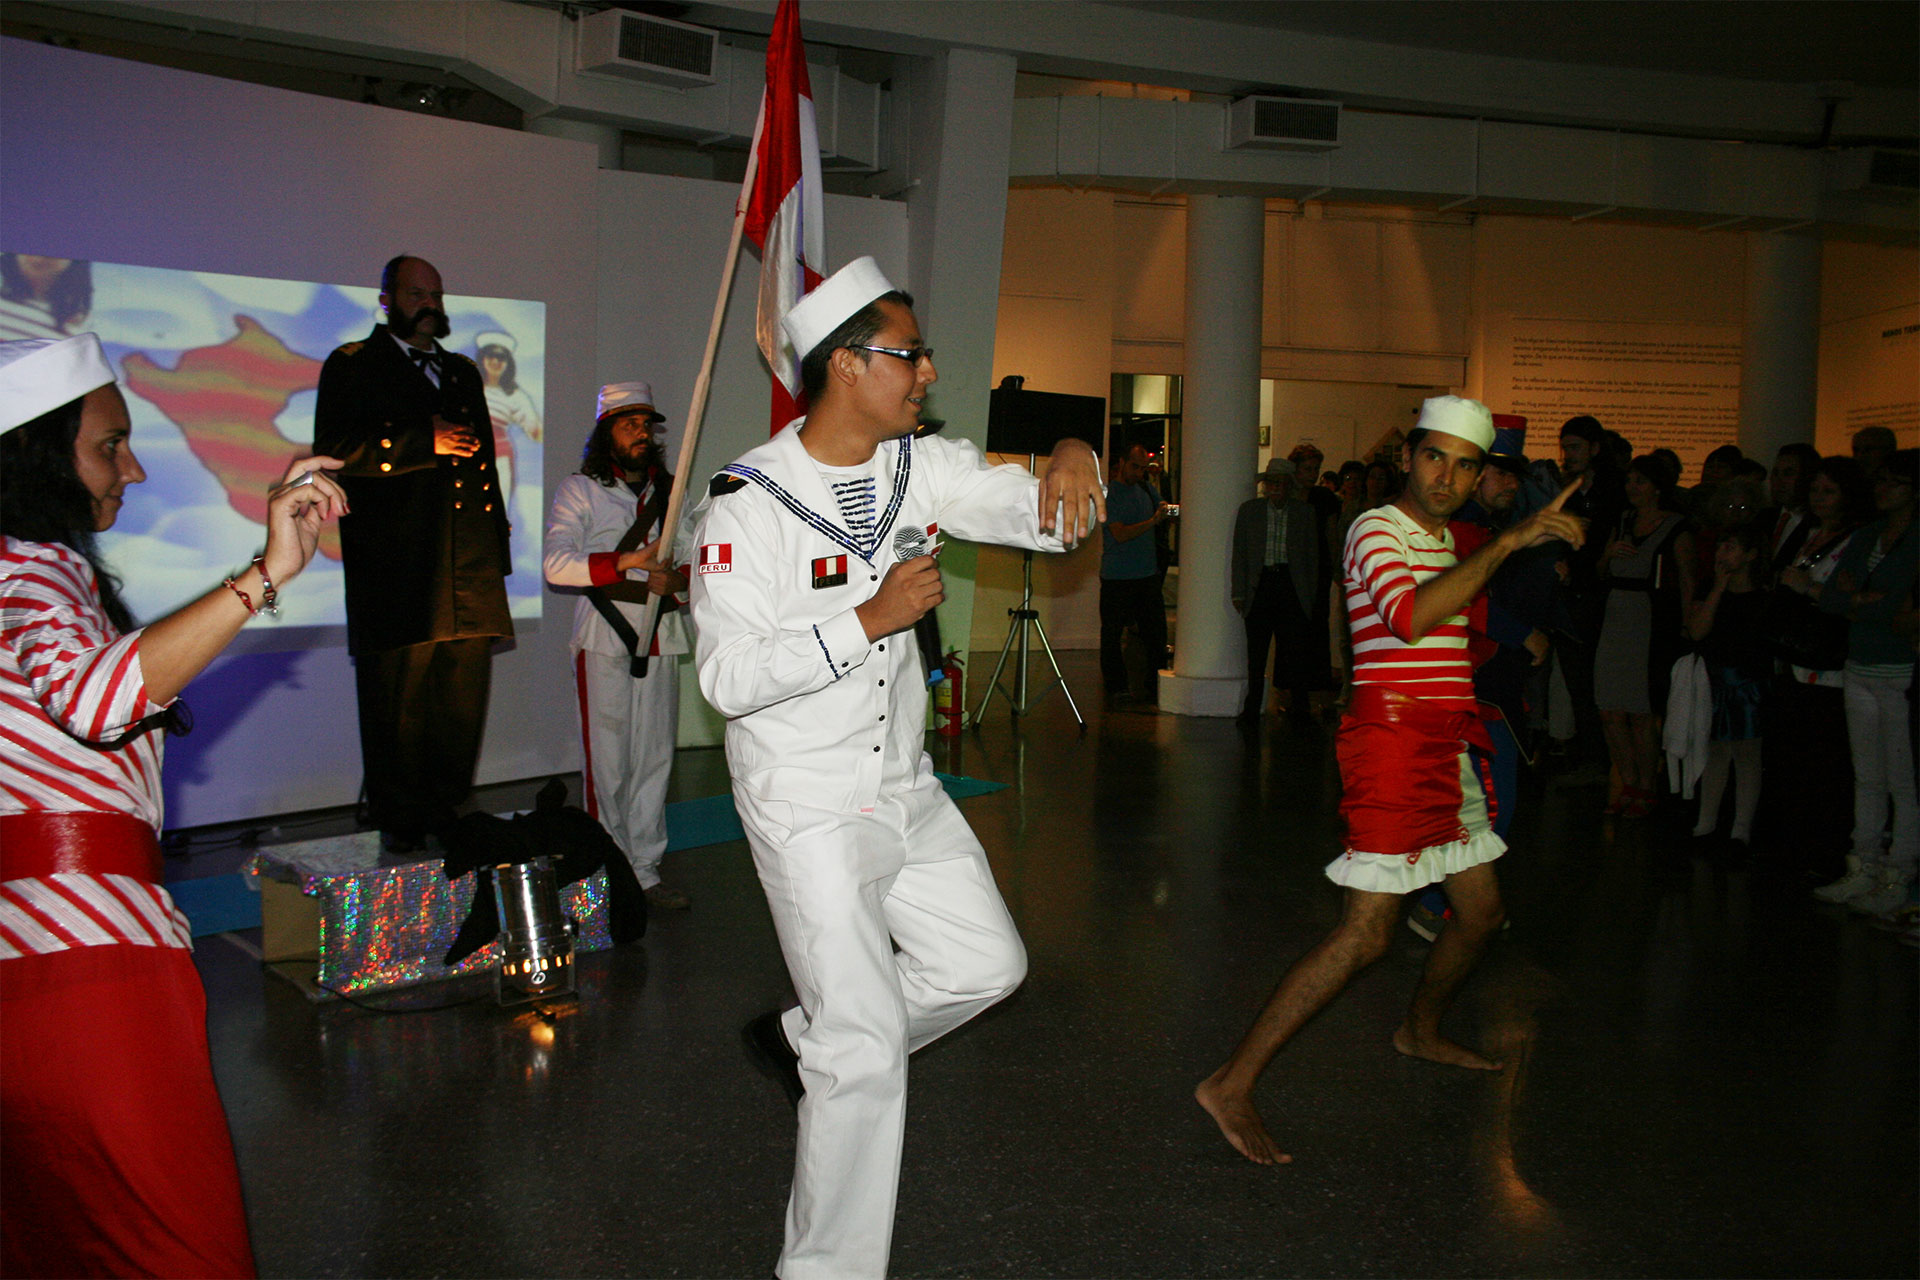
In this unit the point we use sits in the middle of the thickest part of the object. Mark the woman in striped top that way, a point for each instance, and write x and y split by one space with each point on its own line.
118 1159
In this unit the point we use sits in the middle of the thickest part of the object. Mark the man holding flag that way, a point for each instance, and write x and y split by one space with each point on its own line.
810 572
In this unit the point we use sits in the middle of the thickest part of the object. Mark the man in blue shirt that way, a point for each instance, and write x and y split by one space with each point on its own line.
1129 577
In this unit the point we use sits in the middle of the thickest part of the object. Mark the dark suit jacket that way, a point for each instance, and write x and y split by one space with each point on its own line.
425 546
1250 550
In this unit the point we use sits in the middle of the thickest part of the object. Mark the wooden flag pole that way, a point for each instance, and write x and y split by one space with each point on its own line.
702 385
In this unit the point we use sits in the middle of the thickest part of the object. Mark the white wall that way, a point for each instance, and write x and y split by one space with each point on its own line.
1057 300
1869 343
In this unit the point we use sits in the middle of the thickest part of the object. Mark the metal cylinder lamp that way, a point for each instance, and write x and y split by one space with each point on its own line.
536 938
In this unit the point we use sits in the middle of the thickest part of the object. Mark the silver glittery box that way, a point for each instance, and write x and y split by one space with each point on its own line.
332 908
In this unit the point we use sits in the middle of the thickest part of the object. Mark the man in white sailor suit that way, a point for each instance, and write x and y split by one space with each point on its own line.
602 544
887 913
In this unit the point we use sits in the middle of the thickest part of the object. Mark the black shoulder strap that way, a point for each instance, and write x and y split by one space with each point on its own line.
650 513
636 656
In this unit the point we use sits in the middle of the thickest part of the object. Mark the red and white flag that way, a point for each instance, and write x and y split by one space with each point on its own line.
783 205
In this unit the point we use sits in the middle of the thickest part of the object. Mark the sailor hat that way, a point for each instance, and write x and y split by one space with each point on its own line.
39 374
837 297
1468 419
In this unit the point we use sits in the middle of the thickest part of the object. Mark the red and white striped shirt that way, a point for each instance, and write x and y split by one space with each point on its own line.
67 679
1388 554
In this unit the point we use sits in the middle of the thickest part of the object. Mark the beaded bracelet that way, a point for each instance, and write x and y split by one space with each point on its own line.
269 596
246 601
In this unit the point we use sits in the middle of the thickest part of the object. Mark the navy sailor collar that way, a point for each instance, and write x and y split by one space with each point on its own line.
819 523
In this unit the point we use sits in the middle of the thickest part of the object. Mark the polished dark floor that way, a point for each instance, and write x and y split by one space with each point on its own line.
1708 1073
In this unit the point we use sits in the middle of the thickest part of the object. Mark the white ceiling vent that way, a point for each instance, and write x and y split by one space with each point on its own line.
1283 124
636 46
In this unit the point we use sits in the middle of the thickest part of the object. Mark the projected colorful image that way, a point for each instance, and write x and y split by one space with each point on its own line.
220 374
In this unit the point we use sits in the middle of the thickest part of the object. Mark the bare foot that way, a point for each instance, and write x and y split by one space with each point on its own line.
1440 1049
1240 1122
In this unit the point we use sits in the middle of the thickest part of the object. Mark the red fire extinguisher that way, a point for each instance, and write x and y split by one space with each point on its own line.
948 701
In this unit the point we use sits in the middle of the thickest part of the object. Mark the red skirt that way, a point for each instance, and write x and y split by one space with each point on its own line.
115 1159
1400 772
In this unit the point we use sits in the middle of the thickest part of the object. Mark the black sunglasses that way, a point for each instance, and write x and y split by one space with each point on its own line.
912 355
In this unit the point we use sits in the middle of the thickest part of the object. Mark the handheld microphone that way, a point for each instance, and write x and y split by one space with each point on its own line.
909 542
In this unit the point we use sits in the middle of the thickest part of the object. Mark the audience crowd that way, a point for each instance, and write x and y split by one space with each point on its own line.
1738 653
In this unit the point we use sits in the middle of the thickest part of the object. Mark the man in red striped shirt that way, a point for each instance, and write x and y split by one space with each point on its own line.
1416 804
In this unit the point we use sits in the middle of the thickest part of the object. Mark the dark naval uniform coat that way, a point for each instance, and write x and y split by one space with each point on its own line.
425 545
425 554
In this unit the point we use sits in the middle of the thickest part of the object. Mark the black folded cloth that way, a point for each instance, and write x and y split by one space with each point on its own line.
571 838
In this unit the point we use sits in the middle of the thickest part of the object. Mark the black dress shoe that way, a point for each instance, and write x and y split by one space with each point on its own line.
772 1056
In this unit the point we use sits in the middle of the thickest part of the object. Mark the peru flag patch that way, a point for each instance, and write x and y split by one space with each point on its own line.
829 571
716 557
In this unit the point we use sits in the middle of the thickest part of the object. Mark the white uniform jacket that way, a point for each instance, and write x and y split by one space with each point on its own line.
815 714
583 527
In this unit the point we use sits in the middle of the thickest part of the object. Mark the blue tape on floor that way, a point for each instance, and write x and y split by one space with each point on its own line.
221 904
217 904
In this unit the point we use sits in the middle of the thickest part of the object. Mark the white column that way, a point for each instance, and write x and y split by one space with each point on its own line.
1780 355
1218 446
961 138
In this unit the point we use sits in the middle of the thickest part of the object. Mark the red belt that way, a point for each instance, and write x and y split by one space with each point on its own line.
95 844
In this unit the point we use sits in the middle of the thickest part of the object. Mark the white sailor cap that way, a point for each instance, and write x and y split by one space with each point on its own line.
616 396
494 338
1468 419
39 374
837 297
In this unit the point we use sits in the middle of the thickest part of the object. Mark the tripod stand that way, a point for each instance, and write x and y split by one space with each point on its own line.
1018 621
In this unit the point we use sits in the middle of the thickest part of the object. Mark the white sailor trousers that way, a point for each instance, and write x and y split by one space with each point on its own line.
627 732
845 891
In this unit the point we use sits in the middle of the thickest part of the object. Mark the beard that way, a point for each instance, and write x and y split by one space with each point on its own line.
426 320
638 460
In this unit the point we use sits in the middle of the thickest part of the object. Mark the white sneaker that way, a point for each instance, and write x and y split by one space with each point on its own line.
1858 879
1891 892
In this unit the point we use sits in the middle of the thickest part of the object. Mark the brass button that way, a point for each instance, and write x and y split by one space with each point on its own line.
456 506
386 444
457 484
489 506
386 466
486 488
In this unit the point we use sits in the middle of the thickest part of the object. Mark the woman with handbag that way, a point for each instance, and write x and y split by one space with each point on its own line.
1807 787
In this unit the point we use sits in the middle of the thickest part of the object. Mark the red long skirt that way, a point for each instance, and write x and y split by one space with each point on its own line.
115 1159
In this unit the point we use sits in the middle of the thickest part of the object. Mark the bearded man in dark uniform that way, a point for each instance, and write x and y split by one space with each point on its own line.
424 549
